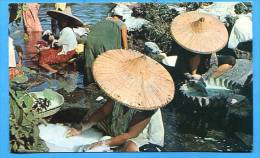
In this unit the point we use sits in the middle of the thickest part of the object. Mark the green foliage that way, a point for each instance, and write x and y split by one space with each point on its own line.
158 30
20 79
155 12
24 131
15 11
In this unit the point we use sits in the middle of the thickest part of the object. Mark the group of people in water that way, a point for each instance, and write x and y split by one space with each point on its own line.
127 127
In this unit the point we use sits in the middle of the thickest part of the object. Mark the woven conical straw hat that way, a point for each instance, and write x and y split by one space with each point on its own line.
133 79
199 33
65 14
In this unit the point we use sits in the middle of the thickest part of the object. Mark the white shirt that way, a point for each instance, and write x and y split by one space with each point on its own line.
67 40
12 61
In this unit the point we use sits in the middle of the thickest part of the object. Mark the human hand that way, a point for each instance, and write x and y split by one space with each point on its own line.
96 146
72 132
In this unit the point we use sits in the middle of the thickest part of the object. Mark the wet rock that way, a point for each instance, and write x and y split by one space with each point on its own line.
191 6
158 29
208 109
243 8
134 24
240 72
177 8
240 114
230 22
155 12
212 91
151 48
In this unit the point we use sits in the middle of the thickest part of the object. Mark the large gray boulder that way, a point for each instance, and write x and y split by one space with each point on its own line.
134 24
151 48
240 72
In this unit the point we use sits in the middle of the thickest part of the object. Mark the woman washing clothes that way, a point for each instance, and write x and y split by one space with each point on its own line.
133 118
66 44
107 34
125 126
201 35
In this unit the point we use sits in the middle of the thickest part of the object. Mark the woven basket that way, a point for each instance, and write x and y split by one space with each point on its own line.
55 104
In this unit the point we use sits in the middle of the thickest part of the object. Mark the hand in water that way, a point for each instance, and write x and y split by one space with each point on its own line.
99 146
72 132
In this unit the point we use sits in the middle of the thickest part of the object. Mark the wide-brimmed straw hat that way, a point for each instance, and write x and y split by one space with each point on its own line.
199 33
133 79
65 14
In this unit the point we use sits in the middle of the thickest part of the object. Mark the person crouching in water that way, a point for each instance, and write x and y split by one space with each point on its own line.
64 47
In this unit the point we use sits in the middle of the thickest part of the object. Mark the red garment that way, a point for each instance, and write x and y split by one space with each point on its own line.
13 72
30 17
51 56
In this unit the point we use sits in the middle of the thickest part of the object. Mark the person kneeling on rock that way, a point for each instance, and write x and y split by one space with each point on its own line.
127 127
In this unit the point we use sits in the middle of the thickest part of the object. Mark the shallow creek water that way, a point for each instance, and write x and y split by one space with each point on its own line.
79 100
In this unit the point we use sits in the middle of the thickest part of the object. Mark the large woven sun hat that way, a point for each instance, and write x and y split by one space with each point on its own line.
133 79
199 32
65 14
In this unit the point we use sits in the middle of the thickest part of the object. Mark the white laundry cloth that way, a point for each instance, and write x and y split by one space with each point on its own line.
55 138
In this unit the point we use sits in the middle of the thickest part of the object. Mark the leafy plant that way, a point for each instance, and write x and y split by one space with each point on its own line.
158 30
15 11
24 131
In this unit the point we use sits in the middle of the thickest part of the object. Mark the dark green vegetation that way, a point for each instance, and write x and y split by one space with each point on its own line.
24 131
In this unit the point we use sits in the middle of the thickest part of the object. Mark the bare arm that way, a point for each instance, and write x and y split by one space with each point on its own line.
133 132
97 116
124 37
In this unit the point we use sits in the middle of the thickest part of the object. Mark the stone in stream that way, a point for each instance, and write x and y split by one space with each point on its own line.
240 72
206 107
151 48
134 24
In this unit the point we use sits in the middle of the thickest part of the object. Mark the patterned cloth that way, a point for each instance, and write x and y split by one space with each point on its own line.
67 41
13 72
30 17
51 56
